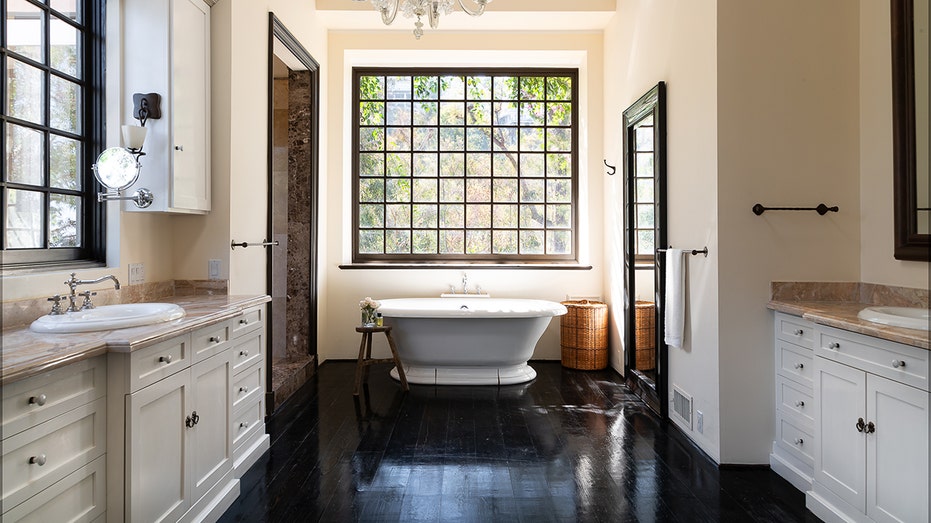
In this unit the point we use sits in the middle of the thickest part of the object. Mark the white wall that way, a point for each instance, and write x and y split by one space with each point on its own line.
646 42
339 307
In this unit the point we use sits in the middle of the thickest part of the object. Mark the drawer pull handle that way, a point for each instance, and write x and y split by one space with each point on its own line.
214 339
192 420
244 322
834 345
37 460
799 403
244 353
244 425
38 400
799 366
870 428
243 389
898 363
798 332
165 359
799 441
860 425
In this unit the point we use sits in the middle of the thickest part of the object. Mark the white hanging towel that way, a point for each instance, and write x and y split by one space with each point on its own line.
675 297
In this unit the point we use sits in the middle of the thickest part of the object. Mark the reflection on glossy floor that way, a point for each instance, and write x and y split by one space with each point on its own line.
569 446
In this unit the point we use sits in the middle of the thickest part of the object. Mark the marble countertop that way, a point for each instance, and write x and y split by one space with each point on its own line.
843 315
26 353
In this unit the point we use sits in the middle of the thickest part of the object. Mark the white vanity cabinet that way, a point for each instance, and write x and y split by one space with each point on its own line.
872 424
794 442
247 394
166 51
54 445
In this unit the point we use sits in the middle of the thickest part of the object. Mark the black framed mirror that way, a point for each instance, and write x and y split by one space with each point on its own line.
910 131
645 232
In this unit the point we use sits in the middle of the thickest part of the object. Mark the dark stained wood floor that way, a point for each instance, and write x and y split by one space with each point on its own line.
569 446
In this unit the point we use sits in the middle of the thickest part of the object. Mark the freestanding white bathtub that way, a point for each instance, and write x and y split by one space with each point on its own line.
467 341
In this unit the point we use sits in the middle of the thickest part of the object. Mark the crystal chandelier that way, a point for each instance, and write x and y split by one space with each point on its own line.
432 9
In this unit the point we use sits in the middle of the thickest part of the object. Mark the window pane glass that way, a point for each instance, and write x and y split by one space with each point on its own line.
371 242
506 216
644 138
531 139
64 157
452 88
371 190
425 242
398 87
64 222
479 87
559 88
645 190
25 158
645 216
559 165
452 113
505 164
531 165
452 216
25 213
425 216
398 190
371 216
478 216
425 190
478 139
25 91
371 139
426 113
478 165
531 242
65 106
425 165
505 88
558 191
452 190
25 29
559 216
425 87
532 113
531 216
645 242
426 139
65 52
397 215
505 113
505 242
532 190
644 165
479 113
558 114
399 113
372 113
505 139
452 139
531 88
505 190
398 139
371 88
478 242
452 164
69 8
558 242
371 164
452 242
559 139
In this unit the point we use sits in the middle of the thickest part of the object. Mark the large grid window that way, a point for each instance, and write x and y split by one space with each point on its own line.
465 165
50 129
644 155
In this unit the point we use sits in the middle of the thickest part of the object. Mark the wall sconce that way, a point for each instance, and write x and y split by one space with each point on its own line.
117 168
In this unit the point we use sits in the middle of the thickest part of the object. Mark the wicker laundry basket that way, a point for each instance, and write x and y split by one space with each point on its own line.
646 335
584 335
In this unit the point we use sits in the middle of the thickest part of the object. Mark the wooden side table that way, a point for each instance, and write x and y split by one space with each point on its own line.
365 357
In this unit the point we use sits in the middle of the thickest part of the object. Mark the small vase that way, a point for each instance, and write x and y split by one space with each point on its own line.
368 317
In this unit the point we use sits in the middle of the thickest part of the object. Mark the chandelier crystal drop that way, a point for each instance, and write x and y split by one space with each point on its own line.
432 9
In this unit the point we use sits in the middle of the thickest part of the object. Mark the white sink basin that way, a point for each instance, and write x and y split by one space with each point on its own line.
108 317
908 317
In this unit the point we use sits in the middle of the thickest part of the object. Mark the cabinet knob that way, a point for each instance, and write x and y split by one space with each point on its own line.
37 460
244 353
834 345
38 400
799 441
799 366
799 403
898 363
244 425
165 359
243 389
860 425
214 339
191 420
244 322
799 332
179 148
870 428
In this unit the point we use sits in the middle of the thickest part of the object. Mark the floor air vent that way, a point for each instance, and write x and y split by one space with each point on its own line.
682 406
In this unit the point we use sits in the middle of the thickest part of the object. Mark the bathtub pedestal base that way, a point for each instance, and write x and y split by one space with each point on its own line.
509 375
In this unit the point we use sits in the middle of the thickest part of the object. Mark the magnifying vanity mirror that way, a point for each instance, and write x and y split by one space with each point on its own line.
912 190
117 169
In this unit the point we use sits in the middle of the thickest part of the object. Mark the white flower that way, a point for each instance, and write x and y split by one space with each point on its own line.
369 303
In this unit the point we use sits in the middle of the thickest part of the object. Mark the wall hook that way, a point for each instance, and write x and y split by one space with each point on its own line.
612 169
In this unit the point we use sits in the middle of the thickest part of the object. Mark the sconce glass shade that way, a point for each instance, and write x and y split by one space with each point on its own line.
116 168
133 136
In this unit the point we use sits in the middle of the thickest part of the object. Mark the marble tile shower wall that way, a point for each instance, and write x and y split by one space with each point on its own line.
299 214
857 292
16 314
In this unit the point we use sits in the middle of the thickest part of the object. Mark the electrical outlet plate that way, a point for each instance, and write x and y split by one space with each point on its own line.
699 421
213 269
136 273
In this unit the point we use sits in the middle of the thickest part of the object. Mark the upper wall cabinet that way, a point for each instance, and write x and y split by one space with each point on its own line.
166 51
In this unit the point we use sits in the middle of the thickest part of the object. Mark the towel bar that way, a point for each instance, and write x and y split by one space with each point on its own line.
694 252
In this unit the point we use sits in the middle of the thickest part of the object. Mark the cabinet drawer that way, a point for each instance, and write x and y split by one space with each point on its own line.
249 420
210 340
36 458
898 362
797 440
247 386
794 362
34 400
159 361
795 400
795 330
79 497
246 352
250 320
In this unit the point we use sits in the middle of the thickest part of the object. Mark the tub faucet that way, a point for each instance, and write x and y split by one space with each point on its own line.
465 283
73 283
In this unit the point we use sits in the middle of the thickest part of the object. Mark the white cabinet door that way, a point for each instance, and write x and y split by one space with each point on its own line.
897 452
158 486
840 456
210 441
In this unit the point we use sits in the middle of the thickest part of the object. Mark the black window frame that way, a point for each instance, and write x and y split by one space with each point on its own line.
464 258
92 139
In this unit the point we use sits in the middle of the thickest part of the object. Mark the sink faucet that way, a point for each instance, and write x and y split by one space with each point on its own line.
73 283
